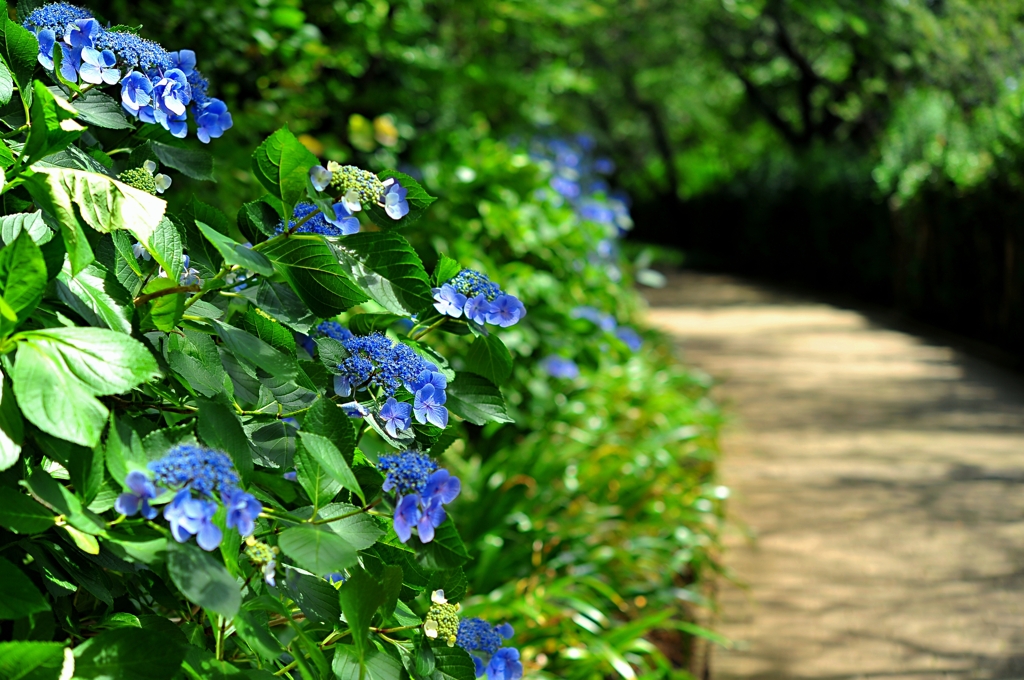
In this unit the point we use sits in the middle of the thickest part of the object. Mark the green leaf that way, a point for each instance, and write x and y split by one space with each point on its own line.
419 200
19 49
476 399
446 551
257 635
204 256
267 329
281 302
51 128
452 663
258 217
236 253
317 550
129 653
317 598
452 581
31 660
489 357
359 529
257 352
327 419
6 84
330 458
376 665
22 515
281 164
164 312
445 270
22 277
220 428
20 597
386 266
193 163
360 597
59 499
33 223
97 296
203 580
101 110
364 324
78 199
309 265
78 364
319 485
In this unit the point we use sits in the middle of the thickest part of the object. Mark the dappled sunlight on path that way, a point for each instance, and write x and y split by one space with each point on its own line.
882 480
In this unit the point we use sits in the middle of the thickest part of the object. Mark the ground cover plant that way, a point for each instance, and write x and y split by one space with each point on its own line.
300 335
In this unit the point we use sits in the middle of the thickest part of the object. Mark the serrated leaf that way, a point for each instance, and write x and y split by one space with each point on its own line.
22 278
220 429
281 164
418 199
33 223
236 253
101 110
257 352
328 420
376 665
320 486
257 635
281 302
203 580
359 529
316 549
269 331
309 265
31 660
317 598
19 49
98 297
6 84
476 399
330 458
386 267
163 313
445 270
194 163
258 217
446 551
489 357
452 663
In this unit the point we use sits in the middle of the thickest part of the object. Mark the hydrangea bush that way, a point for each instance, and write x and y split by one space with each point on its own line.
221 438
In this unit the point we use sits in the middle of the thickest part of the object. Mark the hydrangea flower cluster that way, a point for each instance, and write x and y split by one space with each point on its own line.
199 476
357 188
421 492
264 557
481 300
377 362
157 86
146 178
607 323
442 620
311 220
484 643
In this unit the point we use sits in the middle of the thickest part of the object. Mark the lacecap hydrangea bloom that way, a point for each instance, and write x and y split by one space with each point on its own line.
157 86
472 294
379 364
199 476
484 643
308 219
421 492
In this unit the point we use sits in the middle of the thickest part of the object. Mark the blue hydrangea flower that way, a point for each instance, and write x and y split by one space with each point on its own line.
630 337
320 177
141 491
428 406
442 487
395 204
376 361
243 509
82 33
213 118
397 416
566 187
343 219
136 92
174 123
54 17
432 514
506 310
406 473
354 409
605 322
407 516
448 301
135 52
333 329
172 93
189 466
604 166
190 516
559 367
428 376
183 60
484 643
291 475
317 224
477 309
505 665
98 67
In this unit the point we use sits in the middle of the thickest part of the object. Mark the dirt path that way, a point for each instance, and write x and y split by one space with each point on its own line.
882 478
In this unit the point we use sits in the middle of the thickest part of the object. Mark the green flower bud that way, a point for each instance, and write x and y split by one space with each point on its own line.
139 178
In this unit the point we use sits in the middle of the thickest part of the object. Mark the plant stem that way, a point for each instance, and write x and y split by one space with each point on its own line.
143 299
220 637
428 329
346 515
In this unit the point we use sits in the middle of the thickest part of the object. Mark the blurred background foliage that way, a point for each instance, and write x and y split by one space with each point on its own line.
865 146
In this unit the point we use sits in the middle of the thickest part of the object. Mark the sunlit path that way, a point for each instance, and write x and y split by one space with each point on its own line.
882 478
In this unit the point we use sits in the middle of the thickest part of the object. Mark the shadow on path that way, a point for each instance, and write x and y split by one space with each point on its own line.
881 476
